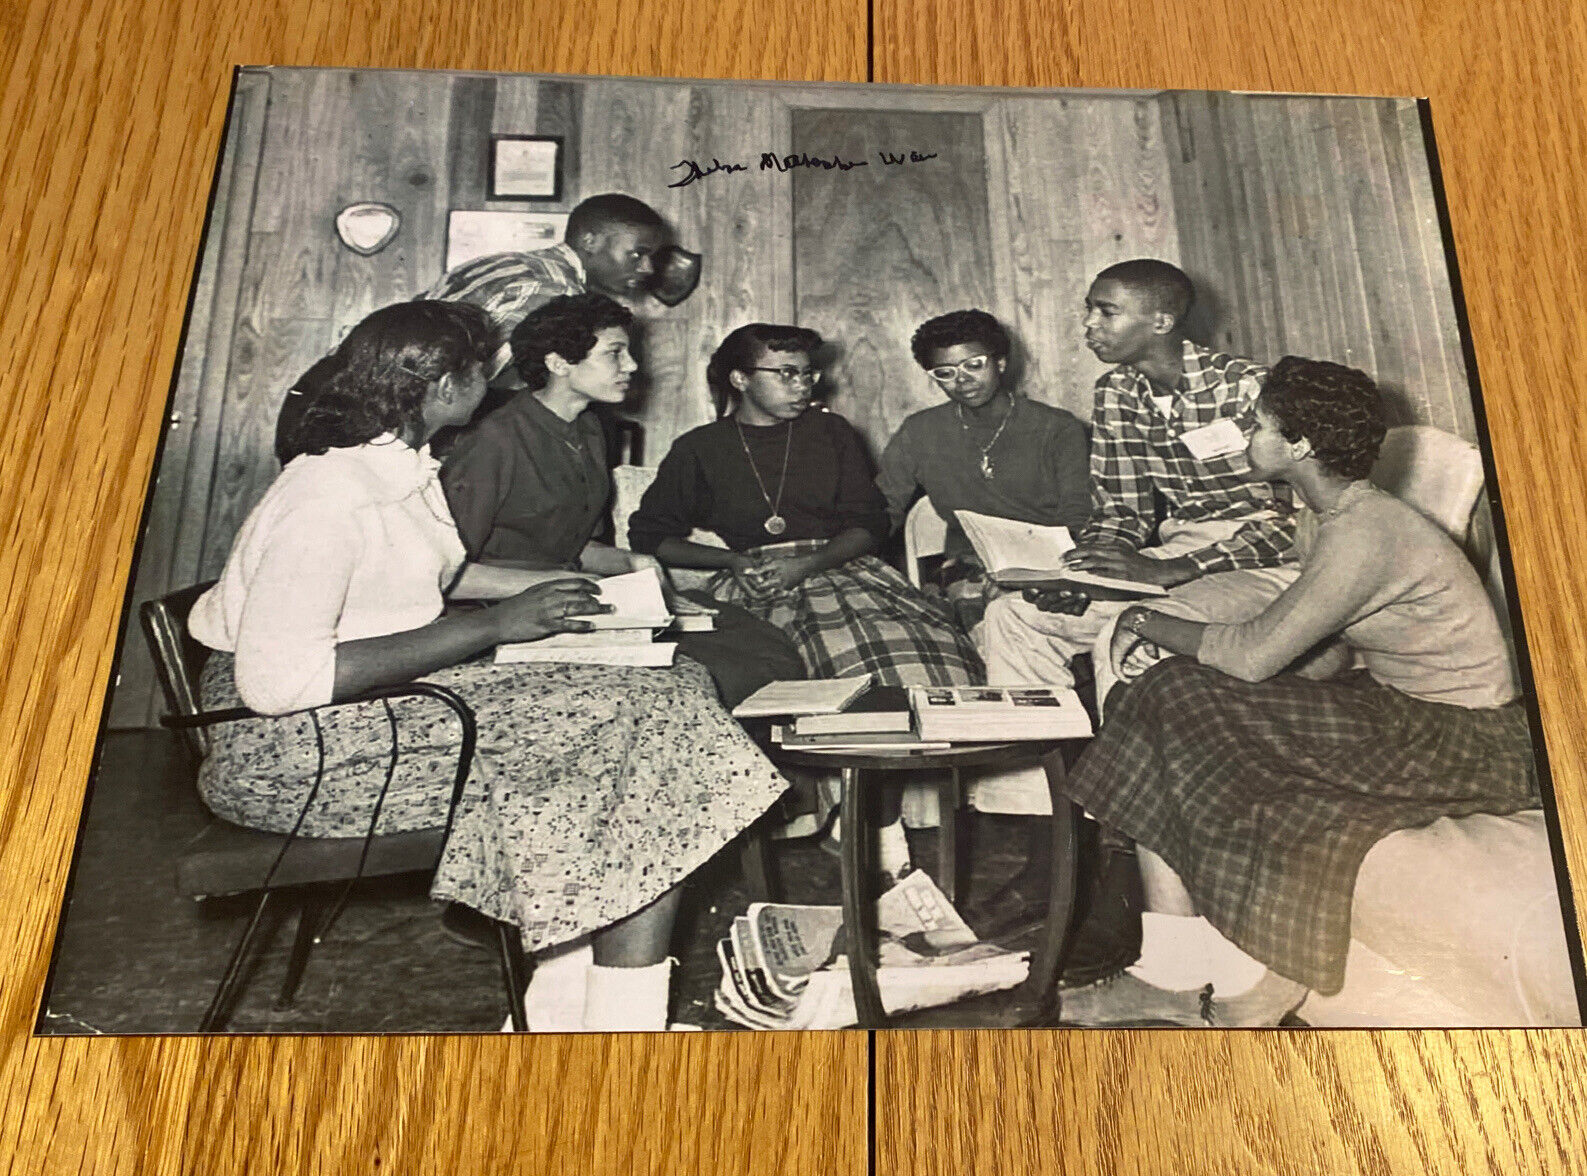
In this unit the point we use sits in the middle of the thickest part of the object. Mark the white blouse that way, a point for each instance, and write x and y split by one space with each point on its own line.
348 544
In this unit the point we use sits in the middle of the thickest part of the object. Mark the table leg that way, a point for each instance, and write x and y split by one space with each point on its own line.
858 914
1060 908
949 797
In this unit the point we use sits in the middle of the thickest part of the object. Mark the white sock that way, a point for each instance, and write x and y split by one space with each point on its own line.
1182 953
627 1000
554 1000
892 848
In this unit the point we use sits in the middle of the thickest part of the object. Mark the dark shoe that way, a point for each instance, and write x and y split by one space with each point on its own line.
467 926
1105 937
1105 929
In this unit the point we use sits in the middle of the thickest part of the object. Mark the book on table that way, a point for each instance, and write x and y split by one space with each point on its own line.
604 647
809 696
881 709
1030 555
855 741
991 714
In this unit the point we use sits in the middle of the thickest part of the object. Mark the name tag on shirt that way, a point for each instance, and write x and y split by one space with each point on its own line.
1219 439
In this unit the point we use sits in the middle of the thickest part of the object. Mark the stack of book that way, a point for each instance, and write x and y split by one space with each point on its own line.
786 967
848 714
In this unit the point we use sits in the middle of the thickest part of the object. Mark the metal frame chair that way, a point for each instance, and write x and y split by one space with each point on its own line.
228 859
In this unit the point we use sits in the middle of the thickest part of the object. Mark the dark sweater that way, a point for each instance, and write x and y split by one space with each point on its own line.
706 481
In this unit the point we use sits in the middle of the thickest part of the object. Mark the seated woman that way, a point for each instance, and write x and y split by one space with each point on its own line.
990 449
595 791
529 485
789 489
1374 694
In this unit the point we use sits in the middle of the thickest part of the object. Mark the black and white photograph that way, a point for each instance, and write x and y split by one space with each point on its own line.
634 555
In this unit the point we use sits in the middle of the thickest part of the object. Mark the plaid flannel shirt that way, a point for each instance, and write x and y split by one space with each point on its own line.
1135 450
507 286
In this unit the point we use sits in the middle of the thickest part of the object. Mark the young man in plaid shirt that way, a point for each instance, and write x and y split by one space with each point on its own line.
1169 426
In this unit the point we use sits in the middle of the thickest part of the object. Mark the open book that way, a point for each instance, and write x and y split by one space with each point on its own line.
636 599
1029 555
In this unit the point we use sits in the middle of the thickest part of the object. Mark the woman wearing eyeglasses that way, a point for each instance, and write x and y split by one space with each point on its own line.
989 449
789 488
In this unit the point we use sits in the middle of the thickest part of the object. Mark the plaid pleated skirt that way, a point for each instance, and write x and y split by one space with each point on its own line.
594 789
1265 797
863 617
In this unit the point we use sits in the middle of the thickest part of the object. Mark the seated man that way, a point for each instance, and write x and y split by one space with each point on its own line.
1171 422
528 485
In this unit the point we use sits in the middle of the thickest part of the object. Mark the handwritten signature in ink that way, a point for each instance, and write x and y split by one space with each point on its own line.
693 170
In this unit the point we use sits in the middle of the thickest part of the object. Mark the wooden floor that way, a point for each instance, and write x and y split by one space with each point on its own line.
110 118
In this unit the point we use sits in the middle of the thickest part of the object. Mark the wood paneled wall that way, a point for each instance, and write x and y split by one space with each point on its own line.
1028 199
1075 184
631 135
879 249
1308 225
1310 228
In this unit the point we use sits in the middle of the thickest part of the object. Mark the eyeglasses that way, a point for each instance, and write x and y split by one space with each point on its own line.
973 366
793 375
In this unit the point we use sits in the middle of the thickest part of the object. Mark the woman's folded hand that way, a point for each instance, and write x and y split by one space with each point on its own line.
558 606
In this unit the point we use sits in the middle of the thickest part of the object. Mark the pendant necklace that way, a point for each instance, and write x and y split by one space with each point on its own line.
987 469
775 524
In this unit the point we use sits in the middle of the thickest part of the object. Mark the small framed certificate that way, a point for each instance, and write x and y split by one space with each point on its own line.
525 167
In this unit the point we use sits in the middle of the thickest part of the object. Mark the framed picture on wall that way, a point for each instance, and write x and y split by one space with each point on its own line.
525 167
1252 297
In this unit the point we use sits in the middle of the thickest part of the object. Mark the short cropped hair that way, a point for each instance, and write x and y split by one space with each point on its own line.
955 328
564 326
1336 408
608 209
742 349
1170 291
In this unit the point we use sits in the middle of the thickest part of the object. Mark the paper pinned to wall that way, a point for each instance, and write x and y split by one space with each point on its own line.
472 233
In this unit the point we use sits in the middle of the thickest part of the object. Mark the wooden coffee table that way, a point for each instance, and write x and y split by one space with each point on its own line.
859 914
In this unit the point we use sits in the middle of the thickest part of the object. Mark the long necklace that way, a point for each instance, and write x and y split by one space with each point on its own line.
987 469
775 524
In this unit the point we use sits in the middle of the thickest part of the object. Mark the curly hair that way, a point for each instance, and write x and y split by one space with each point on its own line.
742 350
1336 408
955 328
564 326
376 380
1169 290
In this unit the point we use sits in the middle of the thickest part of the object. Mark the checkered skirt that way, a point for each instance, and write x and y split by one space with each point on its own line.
1265 797
863 617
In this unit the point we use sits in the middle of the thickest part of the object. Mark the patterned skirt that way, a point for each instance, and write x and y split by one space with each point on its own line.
863 617
594 789
1265 797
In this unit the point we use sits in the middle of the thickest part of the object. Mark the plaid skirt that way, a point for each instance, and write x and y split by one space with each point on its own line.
863 617
1265 797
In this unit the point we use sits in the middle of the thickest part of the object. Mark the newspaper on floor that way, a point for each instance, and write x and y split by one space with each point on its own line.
785 966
